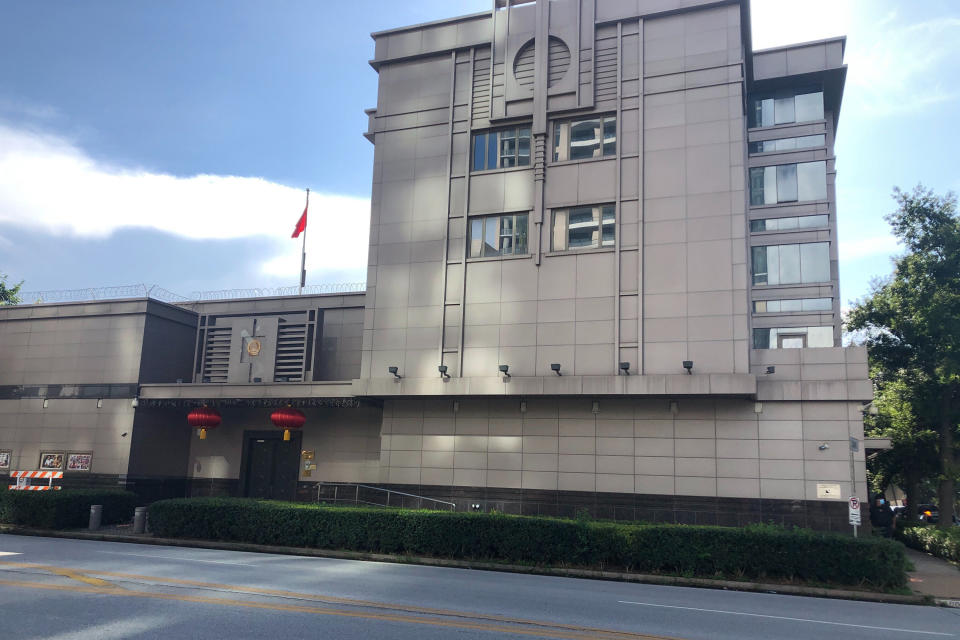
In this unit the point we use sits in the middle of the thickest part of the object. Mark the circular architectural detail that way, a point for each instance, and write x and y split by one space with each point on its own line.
558 61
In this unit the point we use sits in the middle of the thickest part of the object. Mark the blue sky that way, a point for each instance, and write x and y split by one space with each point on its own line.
170 142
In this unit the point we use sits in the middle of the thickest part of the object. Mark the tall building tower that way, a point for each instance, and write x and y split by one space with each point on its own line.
603 265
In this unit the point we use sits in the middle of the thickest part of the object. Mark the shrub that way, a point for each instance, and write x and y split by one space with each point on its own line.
943 544
762 551
67 509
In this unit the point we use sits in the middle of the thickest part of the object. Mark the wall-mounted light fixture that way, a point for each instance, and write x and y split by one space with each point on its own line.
596 406
46 403
771 369
505 370
135 403
394 371
625 368
555 367
674 407
688 365
456 406
823 446
443 371
758 407
99 403
523 406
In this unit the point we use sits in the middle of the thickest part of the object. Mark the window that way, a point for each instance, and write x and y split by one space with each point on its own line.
498 236
592 137
788 183
792 337
788 144
584 227
796 304
786 107
790 223
791 263
501 149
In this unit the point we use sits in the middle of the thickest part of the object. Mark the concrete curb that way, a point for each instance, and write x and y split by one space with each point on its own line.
594 574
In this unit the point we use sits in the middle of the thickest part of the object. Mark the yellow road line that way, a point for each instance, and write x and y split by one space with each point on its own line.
74 575
458 624
346 601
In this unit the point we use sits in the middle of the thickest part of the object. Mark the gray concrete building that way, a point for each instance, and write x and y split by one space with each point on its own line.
602 275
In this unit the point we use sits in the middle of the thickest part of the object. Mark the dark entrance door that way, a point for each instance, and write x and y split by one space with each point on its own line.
271 465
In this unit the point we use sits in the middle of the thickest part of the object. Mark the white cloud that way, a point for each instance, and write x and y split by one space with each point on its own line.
49 184
897 64
867 247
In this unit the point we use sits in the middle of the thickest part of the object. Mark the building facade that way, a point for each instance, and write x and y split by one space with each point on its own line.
602 275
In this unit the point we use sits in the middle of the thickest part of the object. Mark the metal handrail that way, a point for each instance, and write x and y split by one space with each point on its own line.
356 497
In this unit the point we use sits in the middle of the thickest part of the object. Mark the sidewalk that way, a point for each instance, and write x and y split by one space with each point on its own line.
934 577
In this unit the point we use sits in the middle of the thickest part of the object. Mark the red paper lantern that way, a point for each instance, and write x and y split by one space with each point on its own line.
204 418
288 418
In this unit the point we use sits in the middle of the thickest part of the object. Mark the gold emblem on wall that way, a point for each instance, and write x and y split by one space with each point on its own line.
253 347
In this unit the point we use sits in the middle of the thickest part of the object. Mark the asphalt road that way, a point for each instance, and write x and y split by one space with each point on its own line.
63 589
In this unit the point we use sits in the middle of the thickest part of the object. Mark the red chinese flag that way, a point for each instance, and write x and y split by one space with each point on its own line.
301 224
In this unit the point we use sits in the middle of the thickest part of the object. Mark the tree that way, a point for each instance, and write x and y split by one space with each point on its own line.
9 295
912 326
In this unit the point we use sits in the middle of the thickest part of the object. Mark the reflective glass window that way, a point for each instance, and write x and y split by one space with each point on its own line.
584 227
786 183
492 236
809 106
812 181
580 139
501 148
815 261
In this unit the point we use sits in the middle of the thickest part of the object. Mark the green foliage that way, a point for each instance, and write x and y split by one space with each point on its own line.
8 294
911 325
939 542
67 509
755 552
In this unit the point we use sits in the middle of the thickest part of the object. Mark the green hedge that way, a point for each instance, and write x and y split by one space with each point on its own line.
943 544
67 509
754 552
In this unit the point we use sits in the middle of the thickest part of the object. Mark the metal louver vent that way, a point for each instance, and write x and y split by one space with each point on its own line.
523 65
291 350
481 85
216 354
558 61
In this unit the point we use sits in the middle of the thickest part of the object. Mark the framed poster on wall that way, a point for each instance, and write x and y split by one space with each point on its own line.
51 460
6 456
79 461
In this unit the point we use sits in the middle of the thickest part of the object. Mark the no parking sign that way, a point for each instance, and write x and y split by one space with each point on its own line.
854 510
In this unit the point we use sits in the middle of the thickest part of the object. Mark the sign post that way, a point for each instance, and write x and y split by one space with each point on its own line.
854 513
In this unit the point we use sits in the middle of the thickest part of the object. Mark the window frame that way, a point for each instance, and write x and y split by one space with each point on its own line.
515 234
786 257
517 131
792 333
759 179
761 102
819 145
600 212
567 124
798 226
779 301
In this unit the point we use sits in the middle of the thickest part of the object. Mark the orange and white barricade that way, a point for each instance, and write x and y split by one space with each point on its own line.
24 480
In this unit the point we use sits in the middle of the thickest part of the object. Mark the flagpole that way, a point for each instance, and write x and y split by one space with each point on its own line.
303 254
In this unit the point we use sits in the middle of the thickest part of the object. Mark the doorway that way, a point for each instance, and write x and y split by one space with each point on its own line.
271 466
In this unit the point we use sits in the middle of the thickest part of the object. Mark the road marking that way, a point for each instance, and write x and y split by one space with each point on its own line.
598 634
278 593
150 555
79 577
761 615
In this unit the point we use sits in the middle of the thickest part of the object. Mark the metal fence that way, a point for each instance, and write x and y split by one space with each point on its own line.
159 293
363 494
